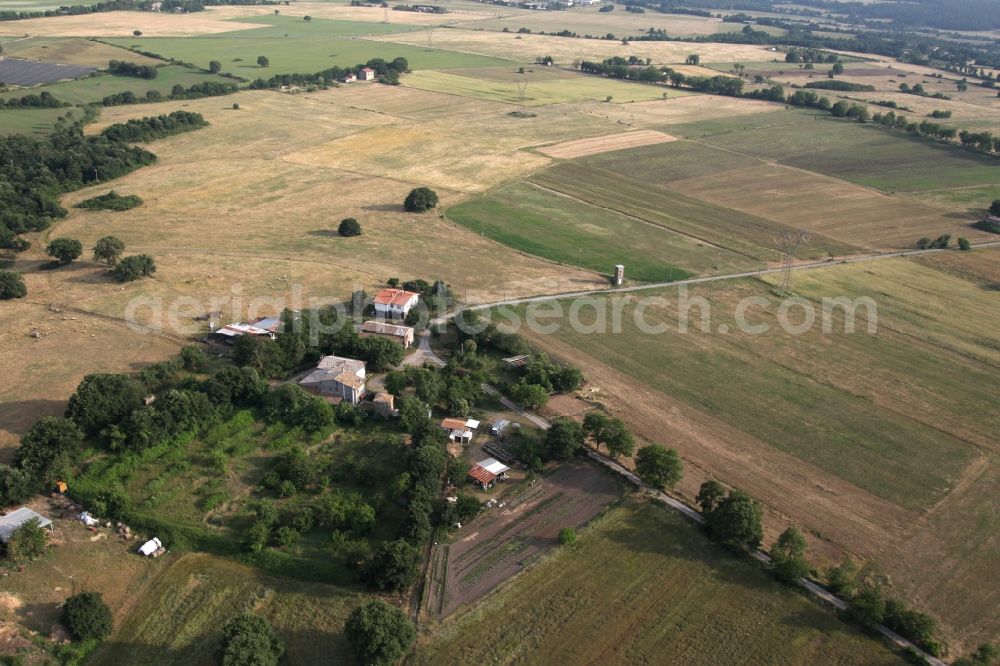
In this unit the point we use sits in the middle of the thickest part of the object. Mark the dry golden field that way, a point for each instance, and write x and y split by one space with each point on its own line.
590 21
603 144
71 51
690 108
525 48
122 24
344 12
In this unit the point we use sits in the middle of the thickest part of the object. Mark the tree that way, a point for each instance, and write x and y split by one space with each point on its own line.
531 396
420 199
379 633
27 543
842 578
134 267
349 227
214 66
249 640
618 439
412 414
12 286
594 424
564 439
87 616
837 68
788 556
109 250
567 536
307 18
995 208
380 353
985 655
867 608
693 59
736 522
709 495
137 33
964 244
262 61
101 400
49 449
64 250
658 466
16 485
392 567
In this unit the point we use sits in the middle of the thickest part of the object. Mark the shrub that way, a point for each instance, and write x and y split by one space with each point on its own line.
964 244
28 543
379 633
349 227
392 567
12 286
249 640
111 201
420 199
87 616
567 536
991 226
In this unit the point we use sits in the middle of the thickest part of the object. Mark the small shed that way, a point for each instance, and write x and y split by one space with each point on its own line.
15 520
499 428
488 472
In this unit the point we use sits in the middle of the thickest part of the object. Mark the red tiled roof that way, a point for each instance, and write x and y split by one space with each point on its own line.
394 296
453 424
482 475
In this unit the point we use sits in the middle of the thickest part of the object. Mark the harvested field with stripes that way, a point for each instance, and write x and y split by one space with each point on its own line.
605 144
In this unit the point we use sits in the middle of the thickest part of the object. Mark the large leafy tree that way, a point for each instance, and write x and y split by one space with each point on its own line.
564 439
393 566
49 449
380 353
249 640
349 227
109 250
379 633
658 466
134 267
420 199
64 250
788 556
87 616
736 522
101 400
28 543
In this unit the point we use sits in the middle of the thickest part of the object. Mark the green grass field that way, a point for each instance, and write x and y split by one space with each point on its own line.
751 236
94 88
885 159
667 162
897 414
643 586
179 620
294 46
39 122
539 222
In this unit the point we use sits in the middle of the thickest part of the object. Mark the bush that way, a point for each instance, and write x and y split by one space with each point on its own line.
964 244
28 543
111 201
991 226
108 250
349 227
12 286
567 536
392 567
995 208
420 199
379 633
87 616
249 640
133 268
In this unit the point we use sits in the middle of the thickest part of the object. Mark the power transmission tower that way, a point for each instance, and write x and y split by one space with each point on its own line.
522 92
430 37
789 244
385 15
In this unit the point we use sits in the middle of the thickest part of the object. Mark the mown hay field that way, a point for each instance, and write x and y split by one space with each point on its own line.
121 24
884 445
581 88
590 21
884 159
640 584
753 237
525 48
179 619
71 51
604 144
543 223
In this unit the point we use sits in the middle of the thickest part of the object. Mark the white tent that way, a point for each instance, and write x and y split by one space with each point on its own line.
150 547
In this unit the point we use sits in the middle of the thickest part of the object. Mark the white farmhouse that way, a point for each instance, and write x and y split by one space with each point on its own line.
395 303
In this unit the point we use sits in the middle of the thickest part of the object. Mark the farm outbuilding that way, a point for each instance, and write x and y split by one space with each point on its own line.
488 472
15 520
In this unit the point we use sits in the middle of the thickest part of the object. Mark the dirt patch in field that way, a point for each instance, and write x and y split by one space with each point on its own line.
605 144
504 540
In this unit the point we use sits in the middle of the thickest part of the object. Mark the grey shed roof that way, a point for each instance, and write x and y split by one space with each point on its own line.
13 521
